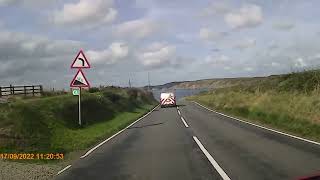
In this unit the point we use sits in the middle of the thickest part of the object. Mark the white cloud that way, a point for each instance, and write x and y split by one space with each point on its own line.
20 45
137 29
86 13
30 4
272 45
24 2
7 2
275 64
216 8
187 37
247 16
219 60
283 26
24 54
209 35
248 69
245 44
116 51
300 63
157 54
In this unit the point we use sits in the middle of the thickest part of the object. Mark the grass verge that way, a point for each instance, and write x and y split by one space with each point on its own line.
288 102
50 124
73 139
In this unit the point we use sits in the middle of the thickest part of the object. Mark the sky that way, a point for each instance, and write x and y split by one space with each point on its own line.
172 40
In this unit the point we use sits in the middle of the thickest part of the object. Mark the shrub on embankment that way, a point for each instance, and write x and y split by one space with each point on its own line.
288 102
51 123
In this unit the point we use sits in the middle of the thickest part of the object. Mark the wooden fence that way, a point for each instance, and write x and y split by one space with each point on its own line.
20 90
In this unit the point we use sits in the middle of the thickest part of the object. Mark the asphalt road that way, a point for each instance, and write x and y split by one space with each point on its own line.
201 145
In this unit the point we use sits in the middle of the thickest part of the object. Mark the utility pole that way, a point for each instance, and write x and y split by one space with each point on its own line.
148 81
129 83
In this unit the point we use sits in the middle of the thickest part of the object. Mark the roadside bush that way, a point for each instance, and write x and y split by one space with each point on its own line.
94 90
93 109
52 93
147 97
305 81
32 127
68 112
133 93
113 97
96 109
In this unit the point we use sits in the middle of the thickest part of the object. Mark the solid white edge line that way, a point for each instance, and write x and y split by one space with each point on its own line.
100 144
184 122
211 160
262 127
179 112
67 167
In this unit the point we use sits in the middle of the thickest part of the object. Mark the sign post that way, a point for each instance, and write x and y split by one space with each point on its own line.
79 106
79 79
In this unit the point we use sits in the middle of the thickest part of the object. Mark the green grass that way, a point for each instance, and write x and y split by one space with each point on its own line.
50 124
70 139
289 103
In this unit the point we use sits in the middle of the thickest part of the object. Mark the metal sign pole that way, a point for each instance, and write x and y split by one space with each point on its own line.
80 106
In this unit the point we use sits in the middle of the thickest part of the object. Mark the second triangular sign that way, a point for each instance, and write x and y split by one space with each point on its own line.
79 80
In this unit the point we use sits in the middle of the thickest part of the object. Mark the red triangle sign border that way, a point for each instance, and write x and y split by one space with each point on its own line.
85 58
74 78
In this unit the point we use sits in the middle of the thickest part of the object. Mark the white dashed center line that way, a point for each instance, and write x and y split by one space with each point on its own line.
184 122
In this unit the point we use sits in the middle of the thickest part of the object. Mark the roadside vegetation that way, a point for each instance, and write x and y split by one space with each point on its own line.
50 124
289 102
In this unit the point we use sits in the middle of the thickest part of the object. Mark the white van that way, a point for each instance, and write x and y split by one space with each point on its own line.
167 99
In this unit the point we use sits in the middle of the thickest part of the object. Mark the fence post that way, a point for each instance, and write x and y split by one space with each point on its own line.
33 90
41 90
0 91
11 89
25 90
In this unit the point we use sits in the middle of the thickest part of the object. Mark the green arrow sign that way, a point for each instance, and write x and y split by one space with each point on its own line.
76 92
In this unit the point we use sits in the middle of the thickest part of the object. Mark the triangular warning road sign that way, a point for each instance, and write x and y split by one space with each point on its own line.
79 80
80 61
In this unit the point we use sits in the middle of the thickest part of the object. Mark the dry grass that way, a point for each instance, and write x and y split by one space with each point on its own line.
287 102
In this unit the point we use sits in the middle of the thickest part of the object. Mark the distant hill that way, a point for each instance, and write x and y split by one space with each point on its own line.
165 86
207 83
299 81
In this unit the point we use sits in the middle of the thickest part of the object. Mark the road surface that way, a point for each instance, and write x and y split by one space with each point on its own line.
200 145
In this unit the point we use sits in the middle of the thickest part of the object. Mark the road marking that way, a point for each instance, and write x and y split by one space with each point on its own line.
262 127
100 144
184 122
64 169
178 107
212 161
179 113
